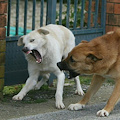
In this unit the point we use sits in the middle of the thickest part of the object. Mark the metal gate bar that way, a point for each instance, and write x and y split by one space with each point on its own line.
75 13
103 15
33 15
42 13
25 17
17 16
60 11
96 13
89 14
82 13
68 12
9 14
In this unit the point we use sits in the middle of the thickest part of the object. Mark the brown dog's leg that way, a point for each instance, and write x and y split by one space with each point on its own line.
95 85
112 100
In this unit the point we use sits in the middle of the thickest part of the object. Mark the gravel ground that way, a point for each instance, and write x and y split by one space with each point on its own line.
14 109
86 114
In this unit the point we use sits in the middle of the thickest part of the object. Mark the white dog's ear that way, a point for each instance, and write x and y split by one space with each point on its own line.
20 41
43 31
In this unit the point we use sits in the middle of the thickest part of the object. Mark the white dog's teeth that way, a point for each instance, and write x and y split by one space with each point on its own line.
29 52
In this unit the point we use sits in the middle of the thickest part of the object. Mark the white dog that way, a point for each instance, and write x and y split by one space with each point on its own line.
43 48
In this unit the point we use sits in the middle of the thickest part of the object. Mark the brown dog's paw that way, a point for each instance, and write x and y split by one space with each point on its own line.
76 106
102 113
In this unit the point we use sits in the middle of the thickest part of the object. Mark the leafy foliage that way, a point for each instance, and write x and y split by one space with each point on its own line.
71 16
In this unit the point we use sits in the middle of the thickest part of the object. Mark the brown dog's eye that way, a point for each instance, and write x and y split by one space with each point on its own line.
71 59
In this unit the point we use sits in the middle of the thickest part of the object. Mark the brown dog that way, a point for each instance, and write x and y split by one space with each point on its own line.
101 58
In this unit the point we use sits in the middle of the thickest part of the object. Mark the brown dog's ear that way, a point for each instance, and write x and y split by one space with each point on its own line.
93 57
117 31
43 31
84 41
20 41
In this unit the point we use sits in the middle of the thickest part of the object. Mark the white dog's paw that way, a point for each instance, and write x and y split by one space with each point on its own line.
60 105
102 113
76 106
79 92
37 87
18 97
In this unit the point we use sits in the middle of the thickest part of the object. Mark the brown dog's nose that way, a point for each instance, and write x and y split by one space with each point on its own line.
59 65
62 65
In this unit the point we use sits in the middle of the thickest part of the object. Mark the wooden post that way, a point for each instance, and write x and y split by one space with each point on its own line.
3 17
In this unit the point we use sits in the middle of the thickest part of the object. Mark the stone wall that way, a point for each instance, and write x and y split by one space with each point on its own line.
112 15
3 17
93 12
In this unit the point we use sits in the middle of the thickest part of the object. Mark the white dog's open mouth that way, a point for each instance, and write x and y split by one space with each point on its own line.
36 55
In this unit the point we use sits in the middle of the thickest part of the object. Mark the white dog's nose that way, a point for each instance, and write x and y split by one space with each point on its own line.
25 49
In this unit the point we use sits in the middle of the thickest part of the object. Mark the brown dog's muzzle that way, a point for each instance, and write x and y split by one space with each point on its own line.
63 66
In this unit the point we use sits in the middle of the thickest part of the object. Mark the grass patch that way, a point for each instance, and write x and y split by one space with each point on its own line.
11 90
31 101
45 93
85 80
34 96
110 81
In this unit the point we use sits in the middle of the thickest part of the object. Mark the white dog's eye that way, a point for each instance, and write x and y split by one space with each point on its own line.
32 40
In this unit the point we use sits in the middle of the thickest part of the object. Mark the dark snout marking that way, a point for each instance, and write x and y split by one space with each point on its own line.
59 64
62 65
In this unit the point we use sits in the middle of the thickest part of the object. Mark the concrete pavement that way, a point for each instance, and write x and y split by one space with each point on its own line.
88 113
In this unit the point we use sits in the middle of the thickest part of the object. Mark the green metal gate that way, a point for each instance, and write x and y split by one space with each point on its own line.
85 18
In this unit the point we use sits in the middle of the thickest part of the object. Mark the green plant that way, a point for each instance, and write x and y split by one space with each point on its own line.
11 90
71 16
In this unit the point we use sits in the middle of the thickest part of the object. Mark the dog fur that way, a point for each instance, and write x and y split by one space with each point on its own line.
43 48
101 58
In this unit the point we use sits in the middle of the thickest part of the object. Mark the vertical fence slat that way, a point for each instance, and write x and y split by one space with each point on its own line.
25 17
103 15
82 13
9 15
96 13
17 16
89 13
41 13
75 13
60 12
68 12
33 15
51 11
